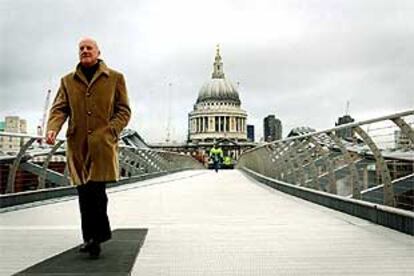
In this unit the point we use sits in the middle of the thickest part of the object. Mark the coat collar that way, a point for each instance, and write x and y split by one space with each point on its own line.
102 69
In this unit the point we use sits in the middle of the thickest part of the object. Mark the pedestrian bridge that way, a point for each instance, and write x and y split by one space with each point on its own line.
313 204
203 223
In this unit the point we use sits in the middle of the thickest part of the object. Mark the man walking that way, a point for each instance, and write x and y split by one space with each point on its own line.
94 99
216 154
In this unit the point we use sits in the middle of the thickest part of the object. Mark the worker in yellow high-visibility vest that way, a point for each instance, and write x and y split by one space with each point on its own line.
227 162
216 154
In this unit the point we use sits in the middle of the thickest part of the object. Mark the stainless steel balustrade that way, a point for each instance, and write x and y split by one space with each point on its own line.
133 162
377 159
137 161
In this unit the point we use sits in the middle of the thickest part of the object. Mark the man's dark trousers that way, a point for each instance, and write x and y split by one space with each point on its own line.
93 204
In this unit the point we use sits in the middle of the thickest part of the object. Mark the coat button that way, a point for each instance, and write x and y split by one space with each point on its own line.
89 113
89 131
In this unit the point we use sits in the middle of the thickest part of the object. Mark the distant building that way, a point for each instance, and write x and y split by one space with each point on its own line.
272 128
345 133
12 124
250 133
216 118
15 124
401 140
217 113
298 131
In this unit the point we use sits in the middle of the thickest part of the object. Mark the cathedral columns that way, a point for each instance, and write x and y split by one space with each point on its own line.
205 118
202 124
219 117
235 124
227 123
240 125
194 125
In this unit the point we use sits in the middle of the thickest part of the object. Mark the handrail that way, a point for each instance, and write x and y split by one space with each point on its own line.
24 135
134 161
347 155
344 126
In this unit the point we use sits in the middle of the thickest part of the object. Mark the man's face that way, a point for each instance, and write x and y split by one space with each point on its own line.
88 52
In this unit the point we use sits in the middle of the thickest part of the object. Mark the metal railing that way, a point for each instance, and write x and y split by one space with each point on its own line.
371 160
27 163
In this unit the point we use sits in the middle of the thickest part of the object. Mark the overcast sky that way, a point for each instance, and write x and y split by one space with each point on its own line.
300 60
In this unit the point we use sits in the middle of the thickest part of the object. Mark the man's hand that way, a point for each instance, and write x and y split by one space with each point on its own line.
51 137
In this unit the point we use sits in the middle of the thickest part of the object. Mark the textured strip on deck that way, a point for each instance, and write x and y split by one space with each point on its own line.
117 257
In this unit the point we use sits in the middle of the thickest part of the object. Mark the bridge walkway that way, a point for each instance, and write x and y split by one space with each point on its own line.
203 223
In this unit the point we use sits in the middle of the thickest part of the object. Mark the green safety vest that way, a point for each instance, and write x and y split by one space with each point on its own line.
227 160
216 151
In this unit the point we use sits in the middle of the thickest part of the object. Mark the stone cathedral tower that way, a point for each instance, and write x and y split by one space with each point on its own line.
217 114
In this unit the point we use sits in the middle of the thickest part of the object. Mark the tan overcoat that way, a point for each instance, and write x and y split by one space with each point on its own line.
97 113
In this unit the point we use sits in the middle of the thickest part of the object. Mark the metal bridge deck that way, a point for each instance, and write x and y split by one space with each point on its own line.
203 223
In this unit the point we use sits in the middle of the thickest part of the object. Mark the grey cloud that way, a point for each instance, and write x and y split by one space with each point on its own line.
349 50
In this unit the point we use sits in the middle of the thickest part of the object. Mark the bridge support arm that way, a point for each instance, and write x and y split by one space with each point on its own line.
385 173
16 163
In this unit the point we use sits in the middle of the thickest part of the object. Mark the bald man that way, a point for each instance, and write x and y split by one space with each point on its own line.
94 100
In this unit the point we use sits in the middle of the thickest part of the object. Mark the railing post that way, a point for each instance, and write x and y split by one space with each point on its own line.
385 173
328 164
43 176
313 169
405 128
16 163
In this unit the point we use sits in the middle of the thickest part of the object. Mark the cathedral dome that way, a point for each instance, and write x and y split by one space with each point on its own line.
218 88
217 114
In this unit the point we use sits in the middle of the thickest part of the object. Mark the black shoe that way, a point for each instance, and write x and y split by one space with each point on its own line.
94 250
84 248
